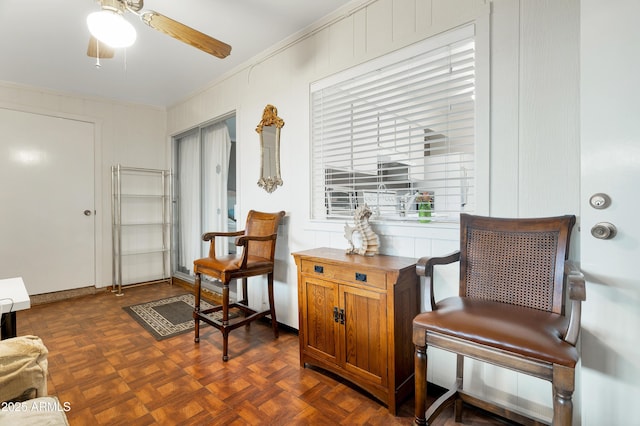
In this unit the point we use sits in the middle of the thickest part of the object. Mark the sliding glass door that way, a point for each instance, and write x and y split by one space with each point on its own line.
204 191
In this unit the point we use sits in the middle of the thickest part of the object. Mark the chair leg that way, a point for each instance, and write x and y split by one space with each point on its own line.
420 362
424 416
196 308
563 387
225 321
225 344
457 408
245 293
245 300
272 306
225 304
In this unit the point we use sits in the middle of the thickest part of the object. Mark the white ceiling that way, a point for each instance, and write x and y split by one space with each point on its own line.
43 43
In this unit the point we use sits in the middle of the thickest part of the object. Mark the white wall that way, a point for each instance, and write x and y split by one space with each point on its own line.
534 109
534 143
132 135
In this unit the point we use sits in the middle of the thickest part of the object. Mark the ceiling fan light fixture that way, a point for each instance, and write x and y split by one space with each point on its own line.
111 28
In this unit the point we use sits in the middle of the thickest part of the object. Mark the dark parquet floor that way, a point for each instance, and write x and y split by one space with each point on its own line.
112 372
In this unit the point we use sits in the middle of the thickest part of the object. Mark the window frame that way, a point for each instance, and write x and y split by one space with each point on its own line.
479 28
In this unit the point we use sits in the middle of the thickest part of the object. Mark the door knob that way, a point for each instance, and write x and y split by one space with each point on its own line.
87 212
604 231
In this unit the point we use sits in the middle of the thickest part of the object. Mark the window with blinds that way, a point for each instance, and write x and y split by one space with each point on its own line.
397 134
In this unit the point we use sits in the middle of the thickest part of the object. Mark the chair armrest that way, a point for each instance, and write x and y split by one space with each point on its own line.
424 267
577 294
211 235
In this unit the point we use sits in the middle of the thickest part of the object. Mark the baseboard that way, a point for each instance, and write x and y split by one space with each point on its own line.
40 299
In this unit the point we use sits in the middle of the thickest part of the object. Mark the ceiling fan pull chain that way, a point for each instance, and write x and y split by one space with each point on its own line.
98 54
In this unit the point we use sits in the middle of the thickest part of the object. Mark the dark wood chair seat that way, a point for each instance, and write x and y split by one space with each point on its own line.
510 311
258 242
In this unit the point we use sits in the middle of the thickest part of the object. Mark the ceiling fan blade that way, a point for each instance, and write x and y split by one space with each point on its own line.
97 49
186 34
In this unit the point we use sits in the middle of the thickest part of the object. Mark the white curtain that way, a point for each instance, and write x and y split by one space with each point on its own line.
188 184
203 168
216 144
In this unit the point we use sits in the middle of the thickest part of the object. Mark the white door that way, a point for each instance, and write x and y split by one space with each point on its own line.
610 162
46 184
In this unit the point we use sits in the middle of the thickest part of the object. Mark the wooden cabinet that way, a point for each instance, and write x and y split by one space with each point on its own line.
356 316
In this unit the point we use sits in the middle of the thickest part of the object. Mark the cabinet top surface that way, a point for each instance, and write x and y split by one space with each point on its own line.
332 255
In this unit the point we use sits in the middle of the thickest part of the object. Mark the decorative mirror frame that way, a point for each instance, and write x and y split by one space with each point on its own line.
270 118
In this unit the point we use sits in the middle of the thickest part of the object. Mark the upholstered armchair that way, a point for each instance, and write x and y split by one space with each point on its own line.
510 311
23 368
23 384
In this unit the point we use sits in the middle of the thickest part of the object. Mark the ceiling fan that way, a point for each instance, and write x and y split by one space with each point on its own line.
115 9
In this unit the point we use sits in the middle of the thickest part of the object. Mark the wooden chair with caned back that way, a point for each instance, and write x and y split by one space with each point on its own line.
258 242
510 311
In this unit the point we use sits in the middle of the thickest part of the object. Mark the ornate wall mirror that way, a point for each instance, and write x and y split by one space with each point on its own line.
269 130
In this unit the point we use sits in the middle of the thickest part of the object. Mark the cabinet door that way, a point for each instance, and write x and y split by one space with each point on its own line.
364 335
320 328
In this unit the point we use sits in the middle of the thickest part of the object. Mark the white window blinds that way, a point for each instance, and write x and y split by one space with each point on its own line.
397 134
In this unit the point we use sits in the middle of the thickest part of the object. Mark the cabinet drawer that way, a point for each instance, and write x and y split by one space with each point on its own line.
360 276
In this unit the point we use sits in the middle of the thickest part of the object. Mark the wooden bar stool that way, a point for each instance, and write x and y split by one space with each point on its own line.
258 242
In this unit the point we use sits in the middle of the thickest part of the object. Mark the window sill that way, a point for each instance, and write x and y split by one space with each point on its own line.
438 228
